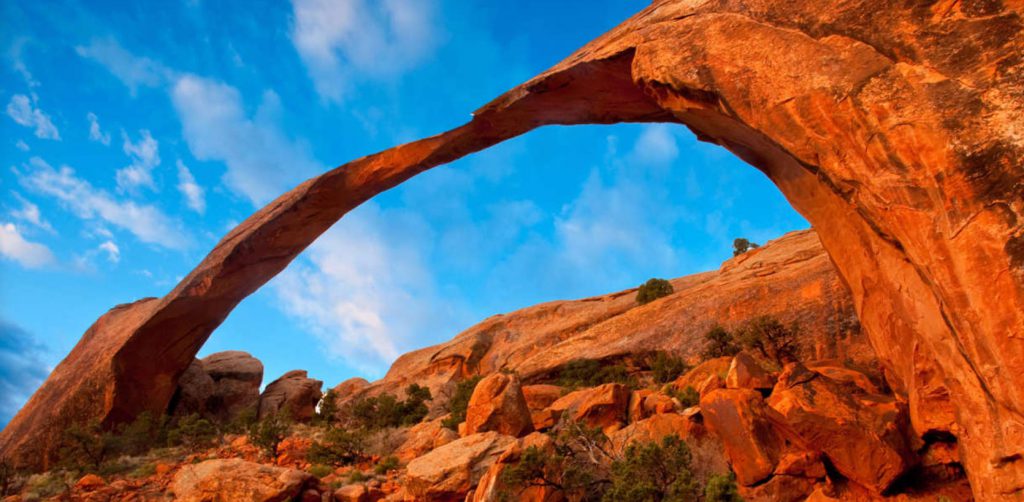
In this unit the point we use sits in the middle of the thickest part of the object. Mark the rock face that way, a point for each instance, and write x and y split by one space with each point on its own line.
220 386
745 424
605 406
745 373
863 435
498 404
294 393
235 479
195 388
893 127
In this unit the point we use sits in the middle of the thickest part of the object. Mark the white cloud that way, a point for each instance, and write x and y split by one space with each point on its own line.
21 145
113 252
364 290
656 145
193 193
30 212
15 247
131 70
145 155
95 132
24 112
146 222
342 40
262 161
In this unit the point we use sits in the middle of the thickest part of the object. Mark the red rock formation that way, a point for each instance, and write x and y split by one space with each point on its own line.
294 393
449 472
498 405
604 406
893 127
235 479
237 377
745 373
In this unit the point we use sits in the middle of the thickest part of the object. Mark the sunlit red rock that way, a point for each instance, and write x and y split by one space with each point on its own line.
294 394
449 472
235 479
498 404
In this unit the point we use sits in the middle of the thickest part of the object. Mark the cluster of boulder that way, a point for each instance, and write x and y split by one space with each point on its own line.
224 385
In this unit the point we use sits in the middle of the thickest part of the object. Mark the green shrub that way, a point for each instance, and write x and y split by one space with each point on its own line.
722 488
667 367
579 373
652 290
143 470
649 471
386 410
242 421
339 447
688 397
140 435
10 478
85 447
771 339
357 476
320 470
718 343
741 245
459 402
268 433
193 432
389 463
49 484
577 465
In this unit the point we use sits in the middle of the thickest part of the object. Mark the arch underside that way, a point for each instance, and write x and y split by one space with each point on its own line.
856 112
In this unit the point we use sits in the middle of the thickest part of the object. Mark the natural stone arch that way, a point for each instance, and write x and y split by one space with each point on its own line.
894 129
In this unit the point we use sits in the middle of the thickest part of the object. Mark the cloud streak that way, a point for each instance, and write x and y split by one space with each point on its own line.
23 111
15 247
146 222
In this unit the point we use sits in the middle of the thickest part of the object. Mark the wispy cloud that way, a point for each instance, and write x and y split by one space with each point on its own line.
365 291
113 252
342 40
132 70
145 155
24 111
146 222
95 132
14 246
195 198
262 161
21 145
21 368
30 213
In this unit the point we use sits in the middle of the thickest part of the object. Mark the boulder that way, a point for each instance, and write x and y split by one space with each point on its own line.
541 396
294 393
846 375
236 479
498 404
604 406
717 367
424 437
651 429
347 389
865 437
745 424
195 390
712 382
237 377
745 373
492 486
451 471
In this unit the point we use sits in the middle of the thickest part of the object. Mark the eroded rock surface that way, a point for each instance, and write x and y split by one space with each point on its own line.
294 394
498 404
235 479
893 127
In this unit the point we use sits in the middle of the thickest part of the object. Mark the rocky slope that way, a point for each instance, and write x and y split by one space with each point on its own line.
893 127
790 278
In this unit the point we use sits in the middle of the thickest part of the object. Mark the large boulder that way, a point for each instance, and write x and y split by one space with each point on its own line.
745 373
223 480
605 406
294 393
541 396
424 437
195 389
498 404
865 436
493 486
746 426
449 472
237 377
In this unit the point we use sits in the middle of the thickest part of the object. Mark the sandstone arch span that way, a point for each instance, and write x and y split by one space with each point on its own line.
896 129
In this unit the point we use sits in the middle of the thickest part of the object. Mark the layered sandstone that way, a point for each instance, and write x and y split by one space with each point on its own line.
893 127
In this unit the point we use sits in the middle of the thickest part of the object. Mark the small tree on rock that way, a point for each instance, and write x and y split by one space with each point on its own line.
741 245
771 339
652 290
719 343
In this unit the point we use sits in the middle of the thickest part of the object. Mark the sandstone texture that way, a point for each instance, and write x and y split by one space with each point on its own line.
893 127
237 377
449 472
224 480
498 404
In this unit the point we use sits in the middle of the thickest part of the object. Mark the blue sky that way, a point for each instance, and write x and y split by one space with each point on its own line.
136 134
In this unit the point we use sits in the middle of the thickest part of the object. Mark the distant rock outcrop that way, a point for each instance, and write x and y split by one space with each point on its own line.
294 394
219 387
